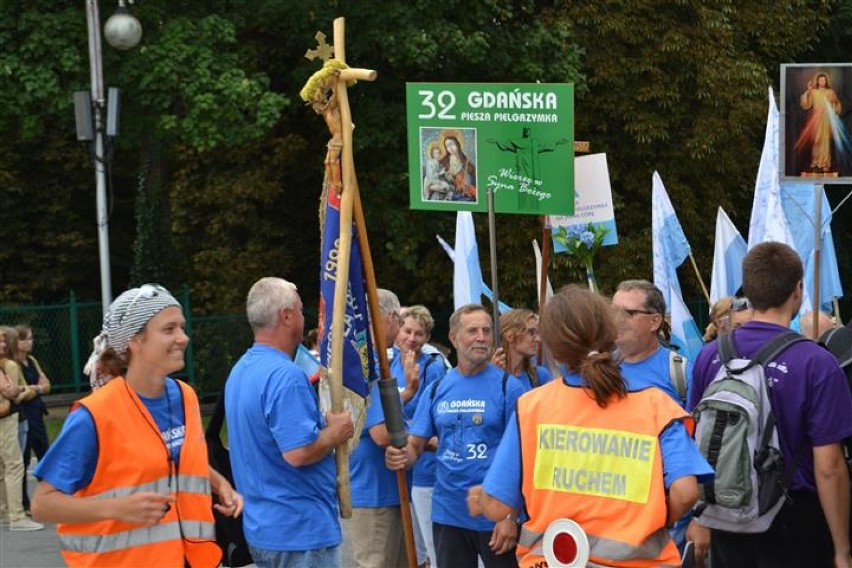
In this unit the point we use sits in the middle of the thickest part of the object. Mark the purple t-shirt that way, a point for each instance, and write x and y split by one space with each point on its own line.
810 398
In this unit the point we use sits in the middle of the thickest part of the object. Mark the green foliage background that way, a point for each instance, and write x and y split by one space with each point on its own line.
218 167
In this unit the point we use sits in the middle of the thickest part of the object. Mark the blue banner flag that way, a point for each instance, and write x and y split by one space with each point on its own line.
359 358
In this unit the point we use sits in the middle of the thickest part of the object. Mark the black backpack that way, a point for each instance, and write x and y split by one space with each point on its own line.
229 531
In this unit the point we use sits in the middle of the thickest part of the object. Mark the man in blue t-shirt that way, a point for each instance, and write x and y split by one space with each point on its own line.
468 411
641 308
812 406
281 445
375 529
645 362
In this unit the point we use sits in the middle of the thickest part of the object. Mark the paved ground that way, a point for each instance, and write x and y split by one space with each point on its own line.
29 549
40 549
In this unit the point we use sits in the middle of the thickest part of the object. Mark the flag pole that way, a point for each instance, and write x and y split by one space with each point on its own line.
398 438
700 281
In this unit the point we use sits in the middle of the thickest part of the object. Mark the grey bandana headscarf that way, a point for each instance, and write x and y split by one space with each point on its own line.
128 314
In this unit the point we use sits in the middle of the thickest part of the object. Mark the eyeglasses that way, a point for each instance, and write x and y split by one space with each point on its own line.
631 313
532 331
740 304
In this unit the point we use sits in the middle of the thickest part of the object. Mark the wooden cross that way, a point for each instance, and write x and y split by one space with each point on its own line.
323 50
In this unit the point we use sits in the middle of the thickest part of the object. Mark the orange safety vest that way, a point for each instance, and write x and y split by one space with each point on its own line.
132 457
600 467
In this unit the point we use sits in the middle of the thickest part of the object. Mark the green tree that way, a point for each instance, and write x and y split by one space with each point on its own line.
681 88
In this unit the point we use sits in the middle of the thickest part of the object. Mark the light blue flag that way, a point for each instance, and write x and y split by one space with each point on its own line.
728 254
798 202
467 276
685 332
669 244
468 285
768 219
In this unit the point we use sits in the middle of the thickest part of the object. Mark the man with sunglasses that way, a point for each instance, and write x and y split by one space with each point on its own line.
645 360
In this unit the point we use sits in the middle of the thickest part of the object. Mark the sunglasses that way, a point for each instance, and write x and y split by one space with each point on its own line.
145 291
740 304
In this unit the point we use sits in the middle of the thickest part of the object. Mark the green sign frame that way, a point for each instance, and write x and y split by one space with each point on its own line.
514 138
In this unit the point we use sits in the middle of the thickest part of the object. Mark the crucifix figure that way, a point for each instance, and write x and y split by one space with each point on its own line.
323 50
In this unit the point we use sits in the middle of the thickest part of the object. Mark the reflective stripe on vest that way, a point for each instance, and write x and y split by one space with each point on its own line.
601 467
163 485
602 547
137 537
128 463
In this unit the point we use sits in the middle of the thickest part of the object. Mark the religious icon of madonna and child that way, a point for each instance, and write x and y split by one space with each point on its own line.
822 146
448 162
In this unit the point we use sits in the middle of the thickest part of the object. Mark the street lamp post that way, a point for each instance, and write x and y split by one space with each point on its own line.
123 31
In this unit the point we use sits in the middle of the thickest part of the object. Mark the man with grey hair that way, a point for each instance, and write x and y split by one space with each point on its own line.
281 445
467 410
824 323
375 529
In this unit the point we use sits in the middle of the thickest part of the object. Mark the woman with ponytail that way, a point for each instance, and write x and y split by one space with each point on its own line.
619 462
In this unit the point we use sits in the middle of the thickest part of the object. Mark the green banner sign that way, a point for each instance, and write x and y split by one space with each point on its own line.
514 138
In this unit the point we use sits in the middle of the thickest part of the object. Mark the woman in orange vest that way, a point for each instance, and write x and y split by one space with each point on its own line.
621 464
128 479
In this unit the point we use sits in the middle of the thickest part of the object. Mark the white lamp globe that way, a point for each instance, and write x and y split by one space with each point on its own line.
122 30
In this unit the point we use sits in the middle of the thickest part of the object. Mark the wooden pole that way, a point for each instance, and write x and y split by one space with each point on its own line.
384 367
700 281
341 288
492 246
351 203
542 285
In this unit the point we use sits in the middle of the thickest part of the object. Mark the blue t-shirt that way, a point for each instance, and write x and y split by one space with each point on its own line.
680 457
654 372
271 408
809 393
431 369
70 462
543 374
372 484
468 414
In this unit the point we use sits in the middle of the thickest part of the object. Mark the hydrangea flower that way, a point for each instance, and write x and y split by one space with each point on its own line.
583 241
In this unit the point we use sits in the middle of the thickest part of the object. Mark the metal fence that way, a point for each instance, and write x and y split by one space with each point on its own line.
63 341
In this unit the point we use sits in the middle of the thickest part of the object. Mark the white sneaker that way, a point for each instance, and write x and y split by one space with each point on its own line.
25 525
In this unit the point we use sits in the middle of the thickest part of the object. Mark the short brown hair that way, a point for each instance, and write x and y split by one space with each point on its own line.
771 272
579 329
